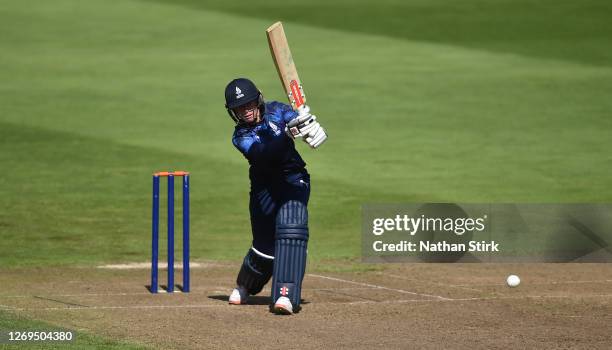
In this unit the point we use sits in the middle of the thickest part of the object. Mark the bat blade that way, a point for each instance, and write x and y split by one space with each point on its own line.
285 66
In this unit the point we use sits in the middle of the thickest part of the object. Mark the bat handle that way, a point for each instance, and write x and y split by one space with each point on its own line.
303 110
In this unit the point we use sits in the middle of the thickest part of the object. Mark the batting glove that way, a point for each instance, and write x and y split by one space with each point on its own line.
301 125
316 136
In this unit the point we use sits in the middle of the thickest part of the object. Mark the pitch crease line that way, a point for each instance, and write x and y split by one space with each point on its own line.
431 282
533 283
125 307
401 301
379 287
200 291
331 278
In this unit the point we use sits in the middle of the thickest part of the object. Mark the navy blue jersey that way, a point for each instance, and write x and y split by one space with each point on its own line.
270 152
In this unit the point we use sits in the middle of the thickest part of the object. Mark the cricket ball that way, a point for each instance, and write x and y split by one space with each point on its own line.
513 281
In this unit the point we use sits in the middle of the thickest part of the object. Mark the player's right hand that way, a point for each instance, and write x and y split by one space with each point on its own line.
316 136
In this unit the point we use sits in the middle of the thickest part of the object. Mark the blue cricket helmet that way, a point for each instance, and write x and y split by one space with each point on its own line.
239 92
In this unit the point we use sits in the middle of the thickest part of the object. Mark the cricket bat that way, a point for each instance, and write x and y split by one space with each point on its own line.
283 60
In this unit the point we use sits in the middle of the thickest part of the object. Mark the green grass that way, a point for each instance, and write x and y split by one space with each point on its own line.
473 101
11 323
569 30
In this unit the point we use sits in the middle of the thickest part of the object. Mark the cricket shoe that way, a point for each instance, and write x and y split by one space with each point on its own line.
239 296
283 306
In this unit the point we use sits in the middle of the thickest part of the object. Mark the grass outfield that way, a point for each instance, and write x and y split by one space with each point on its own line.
424 101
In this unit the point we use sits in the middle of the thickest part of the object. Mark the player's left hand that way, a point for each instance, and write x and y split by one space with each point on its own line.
301 125
306 126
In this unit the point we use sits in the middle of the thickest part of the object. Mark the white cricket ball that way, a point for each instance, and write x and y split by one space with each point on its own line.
513 281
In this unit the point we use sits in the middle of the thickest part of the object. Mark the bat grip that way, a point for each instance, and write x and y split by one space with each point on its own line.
303 110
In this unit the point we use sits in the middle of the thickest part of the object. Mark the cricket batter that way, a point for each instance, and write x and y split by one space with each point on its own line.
280 188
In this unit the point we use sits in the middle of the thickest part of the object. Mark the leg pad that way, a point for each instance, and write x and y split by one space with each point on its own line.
290 252
255 272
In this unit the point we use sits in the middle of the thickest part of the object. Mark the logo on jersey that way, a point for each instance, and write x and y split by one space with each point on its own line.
274 128
284 291
239 93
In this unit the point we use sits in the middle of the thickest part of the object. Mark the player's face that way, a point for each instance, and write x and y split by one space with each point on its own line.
248 113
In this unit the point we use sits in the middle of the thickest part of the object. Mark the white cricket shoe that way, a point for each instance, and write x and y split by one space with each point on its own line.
239 296
283 306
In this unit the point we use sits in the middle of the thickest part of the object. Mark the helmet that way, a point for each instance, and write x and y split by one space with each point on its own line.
240 92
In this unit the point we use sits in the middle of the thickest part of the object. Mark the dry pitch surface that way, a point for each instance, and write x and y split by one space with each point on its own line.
428 306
